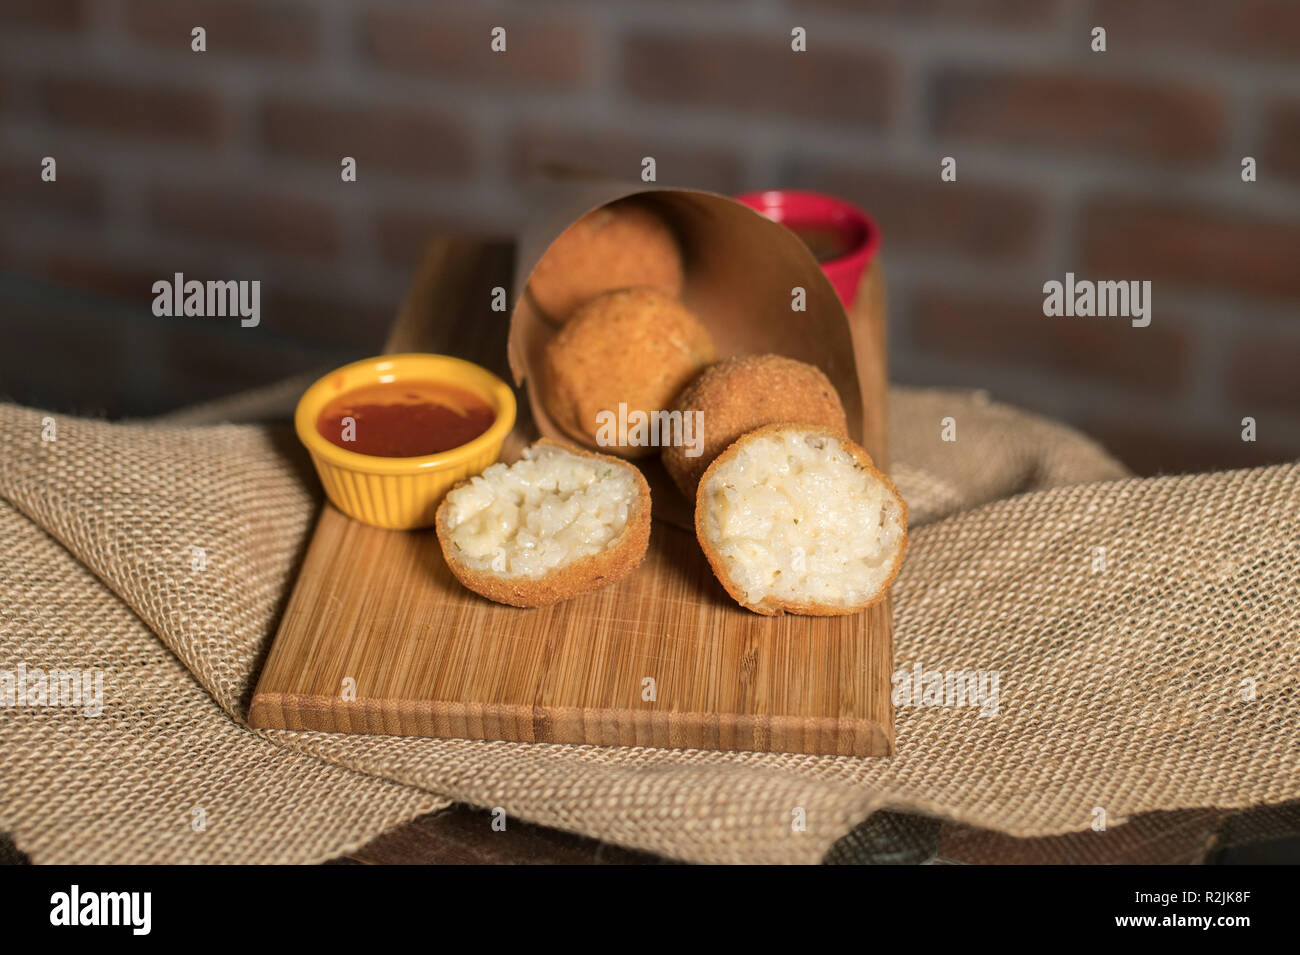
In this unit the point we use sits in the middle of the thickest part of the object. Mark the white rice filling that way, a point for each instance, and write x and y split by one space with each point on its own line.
796 518
544 512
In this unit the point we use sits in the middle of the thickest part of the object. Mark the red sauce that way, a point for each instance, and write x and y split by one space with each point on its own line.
405 419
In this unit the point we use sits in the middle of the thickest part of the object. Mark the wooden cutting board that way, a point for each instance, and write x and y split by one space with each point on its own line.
662 658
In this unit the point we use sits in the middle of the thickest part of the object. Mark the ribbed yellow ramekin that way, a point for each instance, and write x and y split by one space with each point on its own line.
401 493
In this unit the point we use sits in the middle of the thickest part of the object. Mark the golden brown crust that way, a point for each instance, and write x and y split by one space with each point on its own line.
770 607
635 346
619 245
738 395
622 556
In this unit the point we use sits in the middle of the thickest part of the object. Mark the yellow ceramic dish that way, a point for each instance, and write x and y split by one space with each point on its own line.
401 493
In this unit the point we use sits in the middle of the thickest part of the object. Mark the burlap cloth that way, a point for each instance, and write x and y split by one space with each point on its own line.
1123 688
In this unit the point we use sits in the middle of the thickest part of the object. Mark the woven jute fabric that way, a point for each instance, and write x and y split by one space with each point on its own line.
1145 635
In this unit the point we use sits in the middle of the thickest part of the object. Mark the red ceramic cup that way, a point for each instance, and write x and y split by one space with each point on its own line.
841 235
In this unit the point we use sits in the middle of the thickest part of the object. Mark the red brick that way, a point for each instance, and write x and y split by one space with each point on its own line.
1246 28
16 93
1155 359
1280 152
1154 448
380 137
932 13
403 235
135 111
1193 244
918 212
541 52
1264 371
271 221
54 15
1079 113
761 75
104 275
256 27
618 155
42 333
76 191
330 317
205 359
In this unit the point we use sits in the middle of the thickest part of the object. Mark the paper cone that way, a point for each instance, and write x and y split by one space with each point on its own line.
740 272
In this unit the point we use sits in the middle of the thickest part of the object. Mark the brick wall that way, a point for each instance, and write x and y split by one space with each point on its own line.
1118 165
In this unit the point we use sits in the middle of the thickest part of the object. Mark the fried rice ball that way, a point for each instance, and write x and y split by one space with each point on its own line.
739 395
794 519
557 523
621 245
637 347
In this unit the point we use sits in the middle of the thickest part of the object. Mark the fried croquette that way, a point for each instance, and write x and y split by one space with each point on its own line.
622 358
796 519
738 395
620 245
558 523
